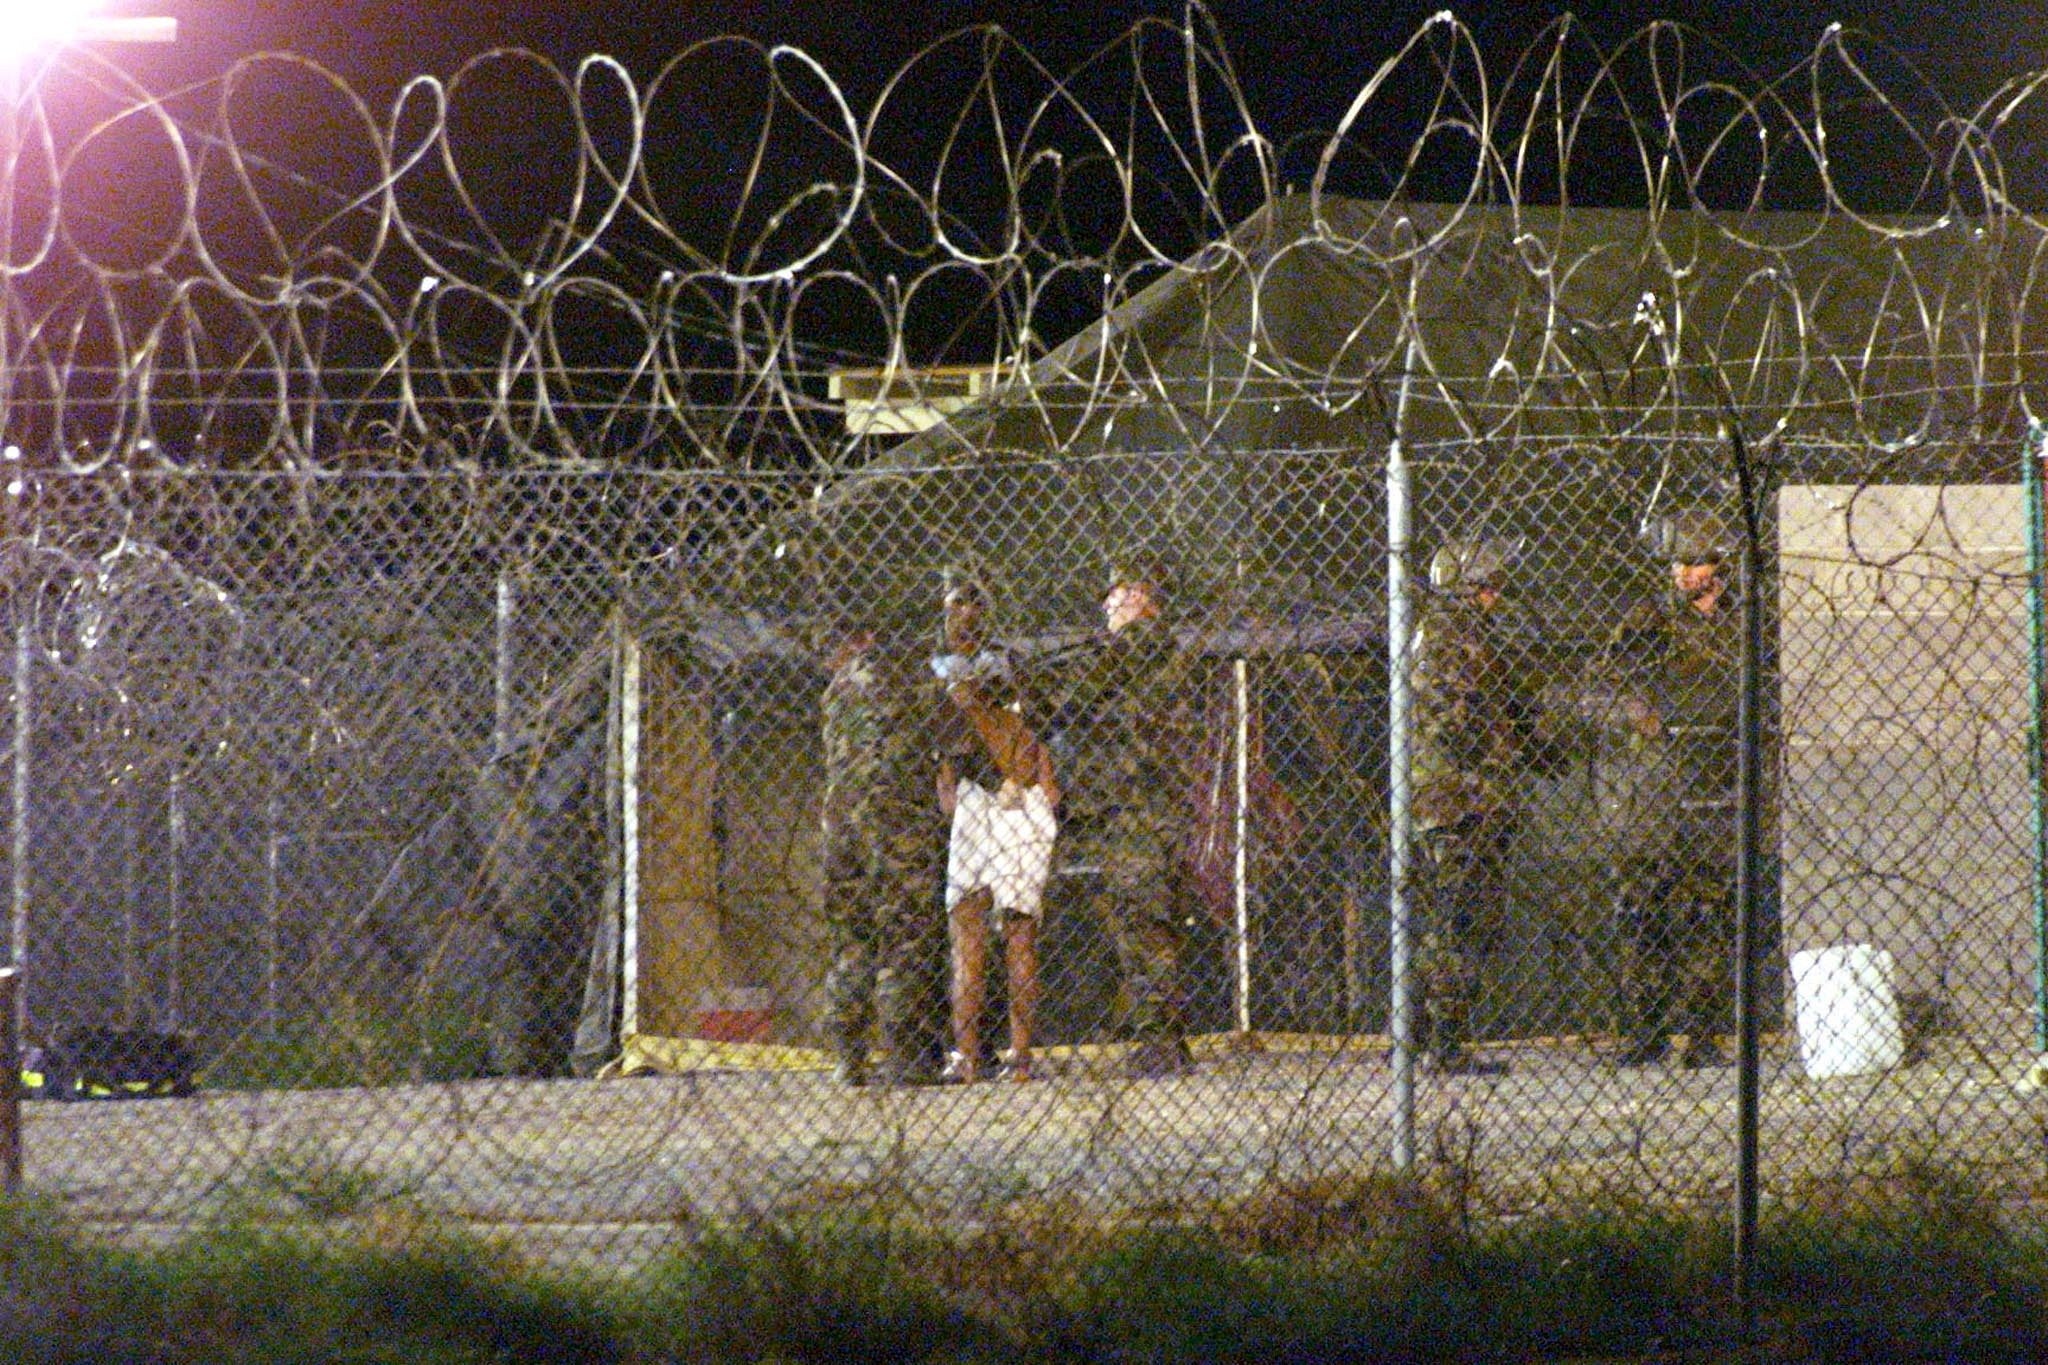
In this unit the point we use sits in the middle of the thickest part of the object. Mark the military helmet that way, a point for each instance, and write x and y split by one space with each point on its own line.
962 581
1469 564
1692 535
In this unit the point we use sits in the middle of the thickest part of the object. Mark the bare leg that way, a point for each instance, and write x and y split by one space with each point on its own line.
970 976
1022 956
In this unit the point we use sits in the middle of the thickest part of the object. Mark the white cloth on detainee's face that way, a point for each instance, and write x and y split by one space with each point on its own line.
1003 841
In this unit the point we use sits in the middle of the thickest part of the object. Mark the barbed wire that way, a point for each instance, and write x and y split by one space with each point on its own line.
375 472
385 273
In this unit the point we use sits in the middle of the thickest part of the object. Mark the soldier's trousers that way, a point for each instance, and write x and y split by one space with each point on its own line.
1140 905
1675 917
537 998
1464 906
888 945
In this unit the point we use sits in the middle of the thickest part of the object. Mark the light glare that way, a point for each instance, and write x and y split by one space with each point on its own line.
30 26
27 25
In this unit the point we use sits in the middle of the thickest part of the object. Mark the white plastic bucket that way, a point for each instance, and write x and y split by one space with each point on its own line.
1847 1013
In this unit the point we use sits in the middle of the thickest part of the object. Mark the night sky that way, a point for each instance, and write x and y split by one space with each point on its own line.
1300 60
1299 64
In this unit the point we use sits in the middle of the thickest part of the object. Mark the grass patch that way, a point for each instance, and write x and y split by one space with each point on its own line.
303 1181
850 1293
239 1295
1915 1259
1916 1268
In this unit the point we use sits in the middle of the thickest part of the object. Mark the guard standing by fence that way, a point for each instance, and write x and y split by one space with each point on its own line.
1129 803
1475 730
1673 665
884 850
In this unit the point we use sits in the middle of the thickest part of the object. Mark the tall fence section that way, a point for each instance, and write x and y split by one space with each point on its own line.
429 611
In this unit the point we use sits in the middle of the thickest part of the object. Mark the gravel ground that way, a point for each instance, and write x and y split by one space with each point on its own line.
608 1171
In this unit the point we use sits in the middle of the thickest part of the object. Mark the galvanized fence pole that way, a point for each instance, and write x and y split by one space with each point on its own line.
1400 925
174 908
1241 929
273 912
10 1081
1748 883
131 914
2031 455
629 739
503 660
19 812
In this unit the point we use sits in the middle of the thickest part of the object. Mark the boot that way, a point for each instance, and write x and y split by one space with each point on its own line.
1642 1052
1460 1061
913 1051
919 1066
1159 1057
1701 1053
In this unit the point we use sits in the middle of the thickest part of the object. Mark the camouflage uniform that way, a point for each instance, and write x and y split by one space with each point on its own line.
1671 877
1475 712
541 820
1127 811
884 844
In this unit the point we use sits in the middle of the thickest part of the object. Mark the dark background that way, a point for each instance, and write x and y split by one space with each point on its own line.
1894 93
1299 67
1301 60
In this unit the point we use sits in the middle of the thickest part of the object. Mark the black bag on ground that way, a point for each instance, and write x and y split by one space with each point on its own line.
113 1064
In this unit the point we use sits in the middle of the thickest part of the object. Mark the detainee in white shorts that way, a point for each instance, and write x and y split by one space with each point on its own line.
1001 840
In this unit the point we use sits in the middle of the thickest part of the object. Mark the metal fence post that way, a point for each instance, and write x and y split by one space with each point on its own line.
503 660
273 915
174 912
1400 923
10 1082
1241 928
2031 455
18 811
1748 883
628 684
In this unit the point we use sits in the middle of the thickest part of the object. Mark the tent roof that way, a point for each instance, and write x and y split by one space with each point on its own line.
1541 325
1562 365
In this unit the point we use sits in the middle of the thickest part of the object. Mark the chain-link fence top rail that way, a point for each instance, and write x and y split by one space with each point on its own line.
425 527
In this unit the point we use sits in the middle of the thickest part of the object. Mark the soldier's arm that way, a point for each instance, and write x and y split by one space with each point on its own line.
1621 683
1430 688
1106 675
1542 741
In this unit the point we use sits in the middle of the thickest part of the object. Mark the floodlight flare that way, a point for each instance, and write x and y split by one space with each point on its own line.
29 25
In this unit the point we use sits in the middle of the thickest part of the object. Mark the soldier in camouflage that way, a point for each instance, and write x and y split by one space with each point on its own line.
1475 719
536 808
884 841
1673 666
1132 726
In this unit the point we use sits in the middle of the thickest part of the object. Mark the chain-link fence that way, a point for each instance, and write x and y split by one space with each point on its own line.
1027 697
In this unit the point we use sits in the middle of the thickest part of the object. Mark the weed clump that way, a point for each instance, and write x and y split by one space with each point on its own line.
1920 1265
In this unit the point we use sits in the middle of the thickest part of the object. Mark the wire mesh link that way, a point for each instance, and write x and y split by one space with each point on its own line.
465 648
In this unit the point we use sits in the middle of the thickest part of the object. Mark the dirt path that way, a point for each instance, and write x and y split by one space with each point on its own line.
614 1169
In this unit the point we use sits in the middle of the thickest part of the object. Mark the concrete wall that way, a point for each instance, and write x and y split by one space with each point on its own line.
1903 654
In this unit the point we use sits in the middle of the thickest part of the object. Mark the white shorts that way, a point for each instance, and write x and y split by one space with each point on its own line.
1003 841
